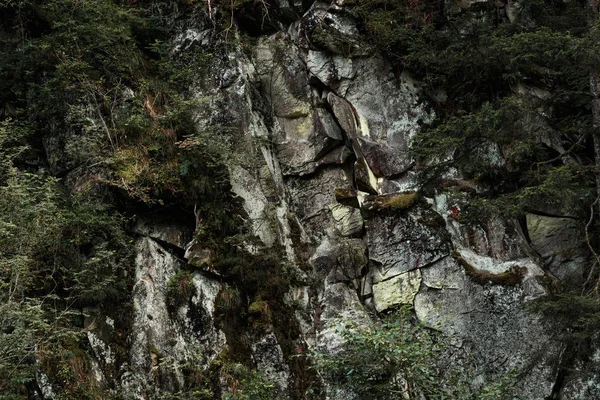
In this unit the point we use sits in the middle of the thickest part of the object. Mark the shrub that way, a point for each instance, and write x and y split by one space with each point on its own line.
180 289
396 358
246 384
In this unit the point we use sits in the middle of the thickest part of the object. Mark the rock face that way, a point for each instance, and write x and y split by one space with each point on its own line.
321 128
162 337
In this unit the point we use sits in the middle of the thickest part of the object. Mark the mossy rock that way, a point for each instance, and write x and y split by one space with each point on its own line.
513 277
393 201
259 307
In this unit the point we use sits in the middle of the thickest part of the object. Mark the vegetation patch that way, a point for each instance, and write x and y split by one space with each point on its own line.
246 384
397 355
513 277
400 201
180 289
394 201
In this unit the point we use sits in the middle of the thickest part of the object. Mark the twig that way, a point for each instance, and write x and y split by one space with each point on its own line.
588 240
571 149
590 274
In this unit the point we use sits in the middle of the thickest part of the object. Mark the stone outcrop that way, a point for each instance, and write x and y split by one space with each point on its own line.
324 130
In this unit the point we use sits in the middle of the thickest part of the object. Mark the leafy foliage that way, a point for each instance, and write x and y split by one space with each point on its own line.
58 253
246 384
477 67
92 86
394 359
180 289
64 64
579 312
513 104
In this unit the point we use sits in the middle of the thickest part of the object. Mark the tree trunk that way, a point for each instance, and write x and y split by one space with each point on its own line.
595 92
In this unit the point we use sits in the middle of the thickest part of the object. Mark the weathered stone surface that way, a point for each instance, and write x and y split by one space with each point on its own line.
310 198
327 133
383 160
327 125
397 291
286 86
43 383
337 156
495 266
584 382
364 178
270 361
163 231
296 145
340 260
248 187
398 243
285 81
406 182
344 114
325 257
497 239
389 109
332 31
488 321
154 268
445 274
351 262
156 334
340 303
329 69
198 321
559 241
300 190
302 134
199 256
348 221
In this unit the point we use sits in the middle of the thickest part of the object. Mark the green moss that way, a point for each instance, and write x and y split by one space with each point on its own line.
400 201
259 307
153 350
393 201
260 315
